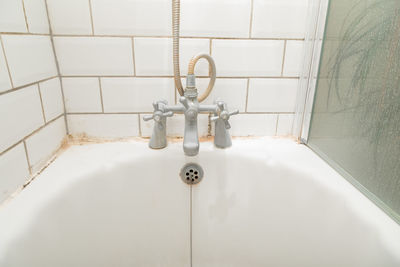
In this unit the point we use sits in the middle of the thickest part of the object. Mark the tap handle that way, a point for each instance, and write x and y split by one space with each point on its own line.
148 117
184 101
224 114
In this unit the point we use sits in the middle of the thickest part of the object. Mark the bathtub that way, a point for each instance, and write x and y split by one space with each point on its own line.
263 202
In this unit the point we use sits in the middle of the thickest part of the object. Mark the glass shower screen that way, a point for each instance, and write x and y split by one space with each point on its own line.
355 122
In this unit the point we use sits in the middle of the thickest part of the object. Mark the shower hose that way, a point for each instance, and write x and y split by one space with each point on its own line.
193 61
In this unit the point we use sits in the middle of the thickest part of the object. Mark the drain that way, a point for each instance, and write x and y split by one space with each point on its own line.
191 173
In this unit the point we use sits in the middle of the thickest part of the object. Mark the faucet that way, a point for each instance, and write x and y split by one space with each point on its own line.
190 107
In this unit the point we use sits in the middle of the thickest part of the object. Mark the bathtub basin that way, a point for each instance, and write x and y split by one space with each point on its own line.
263 202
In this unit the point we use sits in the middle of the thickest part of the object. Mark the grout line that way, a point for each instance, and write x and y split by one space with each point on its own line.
150 112
25 33
91 16
170 37
30 134
57 65
26 18
101 96
182 76
6 61
247 94
27 157
210 48
251 18
283 57
41 103
27 85
133 57
140 125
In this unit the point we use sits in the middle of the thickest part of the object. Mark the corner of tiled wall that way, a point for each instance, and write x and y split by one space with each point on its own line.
32 117
116 59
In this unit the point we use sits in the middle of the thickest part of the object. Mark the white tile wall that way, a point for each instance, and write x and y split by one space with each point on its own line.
272 95
253 124
30 58
94 55
70 17
36 16
285 124
244 58
20 115
42 145
293 58
132 17
14 171
210 18
279 18
5 83
135 94
51 94
104 125
153 56
12 17
232 91
82 94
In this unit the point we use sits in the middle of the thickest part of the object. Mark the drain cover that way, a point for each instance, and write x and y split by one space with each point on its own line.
191 173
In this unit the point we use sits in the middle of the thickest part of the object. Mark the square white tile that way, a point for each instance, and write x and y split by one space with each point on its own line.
36 16
279 18
132 17
42 145
272 95
135 94
52 98
70 17
12 17
94 55
82 94
104 125
293 58
14 171
20 114
30 58
210 18
153 56
243 58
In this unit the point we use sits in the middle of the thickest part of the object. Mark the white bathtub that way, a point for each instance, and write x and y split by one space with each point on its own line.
264 202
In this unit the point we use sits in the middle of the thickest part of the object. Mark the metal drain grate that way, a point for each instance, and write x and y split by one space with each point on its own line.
191 173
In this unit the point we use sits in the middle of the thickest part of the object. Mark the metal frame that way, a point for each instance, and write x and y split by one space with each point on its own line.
317 13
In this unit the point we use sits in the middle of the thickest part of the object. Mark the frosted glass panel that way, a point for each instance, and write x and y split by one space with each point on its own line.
356 116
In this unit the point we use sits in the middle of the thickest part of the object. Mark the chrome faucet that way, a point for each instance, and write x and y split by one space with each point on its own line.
190 107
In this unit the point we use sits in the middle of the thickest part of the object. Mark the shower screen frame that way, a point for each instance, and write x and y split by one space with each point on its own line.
313 43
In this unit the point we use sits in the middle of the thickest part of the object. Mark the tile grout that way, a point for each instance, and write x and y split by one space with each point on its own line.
27 157
41 103
101 95
91 16
6 61
57 65
30 134
283 57
25 17
251 17
26 85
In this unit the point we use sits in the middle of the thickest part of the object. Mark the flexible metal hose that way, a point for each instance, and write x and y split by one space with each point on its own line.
175 35
193 61
213 74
